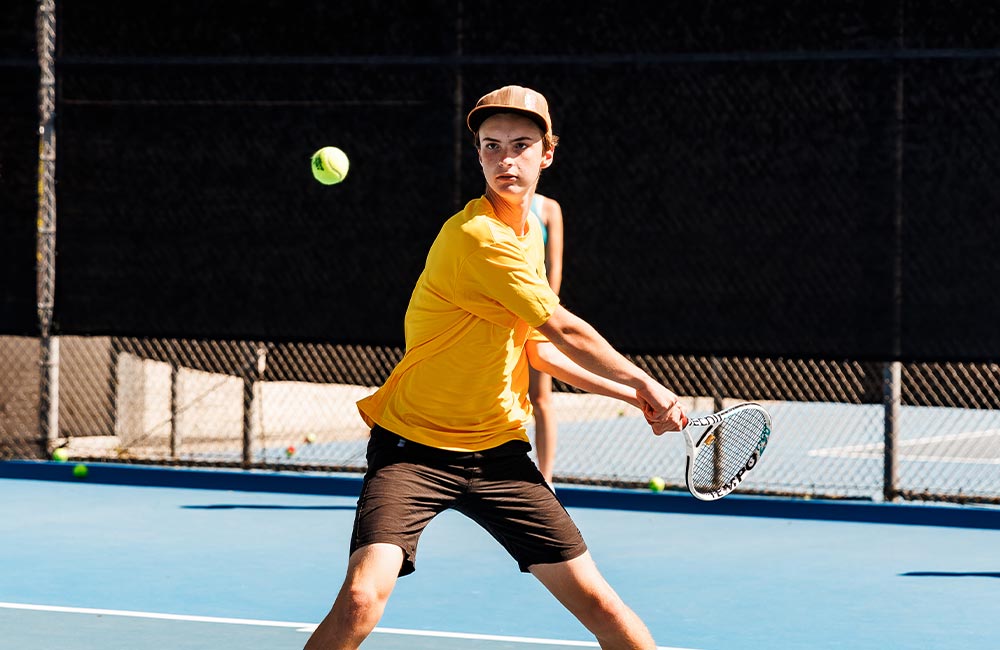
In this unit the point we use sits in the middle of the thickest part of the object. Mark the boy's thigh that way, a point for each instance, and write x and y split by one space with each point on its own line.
397 502
519 509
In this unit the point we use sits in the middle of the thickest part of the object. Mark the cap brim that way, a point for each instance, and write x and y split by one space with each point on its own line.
479 115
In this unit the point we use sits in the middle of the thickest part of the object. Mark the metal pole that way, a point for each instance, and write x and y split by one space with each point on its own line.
718 390
48 399
891 399
461 137
253 373
175 436
892 374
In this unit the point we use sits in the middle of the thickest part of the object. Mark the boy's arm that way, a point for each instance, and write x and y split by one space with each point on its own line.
545 357
579 341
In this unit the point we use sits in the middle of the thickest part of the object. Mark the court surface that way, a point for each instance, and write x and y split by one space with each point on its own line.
88 566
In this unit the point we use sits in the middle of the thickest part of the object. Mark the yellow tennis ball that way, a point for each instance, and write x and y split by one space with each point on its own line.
60 454
656 484
80 471
330 165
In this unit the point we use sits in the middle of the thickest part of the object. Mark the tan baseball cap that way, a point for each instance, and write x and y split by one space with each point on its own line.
511 99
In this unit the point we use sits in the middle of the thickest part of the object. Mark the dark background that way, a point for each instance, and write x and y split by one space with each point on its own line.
789 179
18 169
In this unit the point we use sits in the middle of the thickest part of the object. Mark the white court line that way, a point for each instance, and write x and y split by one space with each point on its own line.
875 449
509 639
157 615
301 627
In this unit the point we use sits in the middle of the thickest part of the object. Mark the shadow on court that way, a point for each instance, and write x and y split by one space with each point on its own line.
950 574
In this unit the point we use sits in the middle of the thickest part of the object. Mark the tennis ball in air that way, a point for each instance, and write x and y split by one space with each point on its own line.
656 484
60 454
310 438
80 471
330 165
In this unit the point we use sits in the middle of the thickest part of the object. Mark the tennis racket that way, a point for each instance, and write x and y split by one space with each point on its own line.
726 450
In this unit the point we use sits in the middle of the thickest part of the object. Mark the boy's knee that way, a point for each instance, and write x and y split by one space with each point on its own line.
605 613
360 604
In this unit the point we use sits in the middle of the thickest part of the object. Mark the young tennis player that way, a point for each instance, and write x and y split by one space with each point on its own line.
449 424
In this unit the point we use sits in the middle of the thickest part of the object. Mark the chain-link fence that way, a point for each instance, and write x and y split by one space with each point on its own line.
232 404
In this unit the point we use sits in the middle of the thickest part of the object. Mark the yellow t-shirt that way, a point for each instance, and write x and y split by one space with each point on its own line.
463 382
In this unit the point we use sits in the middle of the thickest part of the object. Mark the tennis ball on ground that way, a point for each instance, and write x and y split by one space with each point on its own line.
80 471
60 454
656 484
330 165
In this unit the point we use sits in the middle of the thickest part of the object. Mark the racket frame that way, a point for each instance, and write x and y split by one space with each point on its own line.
712 422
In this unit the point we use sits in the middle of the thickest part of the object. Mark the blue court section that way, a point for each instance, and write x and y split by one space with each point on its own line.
97 564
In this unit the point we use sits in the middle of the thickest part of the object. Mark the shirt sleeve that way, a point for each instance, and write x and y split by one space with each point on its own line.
499 275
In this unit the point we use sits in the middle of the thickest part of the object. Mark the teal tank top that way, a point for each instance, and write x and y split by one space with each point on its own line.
536 207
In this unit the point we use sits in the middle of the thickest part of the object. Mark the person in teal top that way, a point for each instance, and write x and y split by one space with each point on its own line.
550 217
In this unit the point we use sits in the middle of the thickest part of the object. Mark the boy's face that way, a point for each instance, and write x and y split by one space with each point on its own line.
512 154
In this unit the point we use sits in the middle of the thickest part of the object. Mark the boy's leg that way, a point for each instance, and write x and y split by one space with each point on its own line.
371 575
399 496
581 588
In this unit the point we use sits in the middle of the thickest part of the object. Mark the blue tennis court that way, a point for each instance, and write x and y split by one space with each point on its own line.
102 564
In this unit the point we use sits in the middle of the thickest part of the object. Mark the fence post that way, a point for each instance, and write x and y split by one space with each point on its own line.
48 388
891 398
175 434
253 373
892 373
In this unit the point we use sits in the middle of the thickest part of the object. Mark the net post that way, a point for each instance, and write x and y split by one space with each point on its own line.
891 399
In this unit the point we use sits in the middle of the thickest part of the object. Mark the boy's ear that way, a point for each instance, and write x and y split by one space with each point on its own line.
547 157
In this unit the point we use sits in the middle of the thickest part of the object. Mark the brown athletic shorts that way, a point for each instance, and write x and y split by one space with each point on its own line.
501 489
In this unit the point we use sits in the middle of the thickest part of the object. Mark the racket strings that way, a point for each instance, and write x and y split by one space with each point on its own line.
728 449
